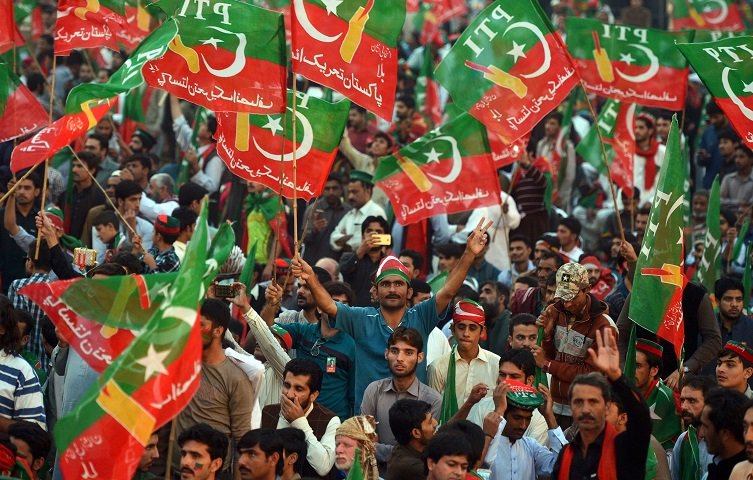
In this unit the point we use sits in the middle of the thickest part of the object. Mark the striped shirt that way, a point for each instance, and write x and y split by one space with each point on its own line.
22 302
528 192
20 393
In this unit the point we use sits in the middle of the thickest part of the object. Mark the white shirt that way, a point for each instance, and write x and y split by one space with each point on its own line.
537 429
482 369
499 249
574 254
144 229
351 222
277 358
436 345
320 453
151 209
524 459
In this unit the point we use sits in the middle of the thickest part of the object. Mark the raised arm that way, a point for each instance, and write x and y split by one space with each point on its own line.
304 272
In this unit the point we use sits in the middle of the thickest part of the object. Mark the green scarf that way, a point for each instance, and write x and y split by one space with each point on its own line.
449 397
266 203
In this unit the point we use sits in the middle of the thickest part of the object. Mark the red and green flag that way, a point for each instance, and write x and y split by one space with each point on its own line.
88 103
228 57
710 267
88 24
7 25
656 302
508 69
616 125
432 14
504 154
427 89
135 27
260 147
149 383
706 15
350 46
726 68
631 64
703 36
20 111
690 456
448 170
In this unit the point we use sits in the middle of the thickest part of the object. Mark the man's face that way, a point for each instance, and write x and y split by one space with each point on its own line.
131 203
402 359
254 464
345 452
589 408
93 145
85 73
644 374
467 333
518 421
641 221
523 336
379 147
642 132
519 252
565 236
510 371
577 304
112 182
552 128
155 192
304 298
594 273
709 433
79 171
208 331
428 427
731 373
446 263
297 386
489 299
538 249
717 119
357 194
151 453
137 170
420 297
408 262
26 193
726 147
748 433
393 293
401 110
356 119
449 467
691 405
104 127
731 304
136 145
662 129
700 205
546 267
195 462
374 228
549 291
24 451
742 161
333 191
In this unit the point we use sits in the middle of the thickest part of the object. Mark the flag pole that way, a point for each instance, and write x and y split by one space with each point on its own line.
606 161
47 161
280 202
296 244
14 187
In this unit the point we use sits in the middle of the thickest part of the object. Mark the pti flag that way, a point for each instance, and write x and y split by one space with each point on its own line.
508 68
229 57
89 102
88 24
20 111
253 146
350 47
135 27
656 303
631 64
149 383
615 122
447 170
702 36
726 68
710 266
706 15
504 154
427 89
7 25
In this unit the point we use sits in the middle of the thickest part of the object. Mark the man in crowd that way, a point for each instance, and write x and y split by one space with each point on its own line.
722 428
413 424
447 457
358 267
568 231
202 452
733 323
327 211
347 235
140 166
150 454
159 197
86 195
357 434
694 389
743 470
531 300
560 154
493 298
520 260
259 453
33 445
735 367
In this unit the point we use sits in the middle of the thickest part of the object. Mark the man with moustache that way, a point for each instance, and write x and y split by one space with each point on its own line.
259 452
357 434
493 298
744 470
151 453
722 428
694 389
532 300
327 212
202 452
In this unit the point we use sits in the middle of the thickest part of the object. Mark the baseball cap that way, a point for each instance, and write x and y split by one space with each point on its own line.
571 279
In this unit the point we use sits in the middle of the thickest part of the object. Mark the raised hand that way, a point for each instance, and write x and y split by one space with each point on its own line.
606 358
477 240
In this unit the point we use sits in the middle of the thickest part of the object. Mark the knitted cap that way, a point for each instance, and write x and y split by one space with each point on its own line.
647 346
523 396
469 311
283 335
56 216
167 225
390 265
740 349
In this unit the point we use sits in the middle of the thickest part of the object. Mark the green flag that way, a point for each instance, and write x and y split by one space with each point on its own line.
740 240
629 369
247 274
700 15
690 457
540 376
356 470
711 263
746 282
449 397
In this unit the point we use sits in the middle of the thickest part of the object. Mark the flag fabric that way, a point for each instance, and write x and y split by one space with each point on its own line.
350 47
710 266
89 24
631 64
449 396
88 103
135 27
629 368
427 89
706 15
690 457
540 377
725 67
356 470
432 14
149 383
230 58
7 25
508 68
504 154
448 170
20 111
260 148
746 281
247 273
615 122
740 240
703 36
656 303
666 426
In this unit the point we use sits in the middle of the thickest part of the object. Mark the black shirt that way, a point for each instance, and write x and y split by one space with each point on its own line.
83 201
13 258
723 469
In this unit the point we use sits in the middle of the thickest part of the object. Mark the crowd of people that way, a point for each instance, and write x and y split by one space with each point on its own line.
492 343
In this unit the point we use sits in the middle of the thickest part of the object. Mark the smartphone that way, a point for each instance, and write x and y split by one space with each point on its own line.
383 239
225 291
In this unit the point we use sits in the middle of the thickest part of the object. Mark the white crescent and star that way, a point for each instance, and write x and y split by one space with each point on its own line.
303 148
331 5
650 73
303 19
517 50
630 120
748 87
457 160
273 124
153 362
722 14
239 62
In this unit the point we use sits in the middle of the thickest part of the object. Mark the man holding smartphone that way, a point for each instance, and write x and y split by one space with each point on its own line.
358 267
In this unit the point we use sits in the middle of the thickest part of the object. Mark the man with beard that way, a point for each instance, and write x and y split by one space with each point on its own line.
98 144
493 298
744 470
723 431
347 235
86 195
202 452
649 155
259 451
403 354
531 300
511 454
733 325
360 130
159 198
357 268
151 453
694 389
222 400
599 287
355 439
556 152
413 425
141 141
410 125
302 382
13 259
328 210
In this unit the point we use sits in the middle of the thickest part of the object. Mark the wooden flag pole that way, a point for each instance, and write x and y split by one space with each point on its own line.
296 244
47 161
276 250
15 186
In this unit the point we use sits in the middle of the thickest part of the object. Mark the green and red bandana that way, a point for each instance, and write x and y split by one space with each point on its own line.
524 396
391 266
726 68
631 64
167 225
469 311
740 349
283 335
647 346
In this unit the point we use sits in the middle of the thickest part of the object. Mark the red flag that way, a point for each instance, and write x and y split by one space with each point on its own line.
135 28
505 154
7 25
20 112
86 26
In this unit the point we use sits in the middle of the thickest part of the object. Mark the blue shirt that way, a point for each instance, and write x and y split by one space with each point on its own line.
371 333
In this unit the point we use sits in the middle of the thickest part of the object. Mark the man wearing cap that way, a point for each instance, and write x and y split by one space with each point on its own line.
355 441
734 367
599 288
467 365
141 141
161 258
512 455
733 324
347 234
569 327
659 397
371 327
